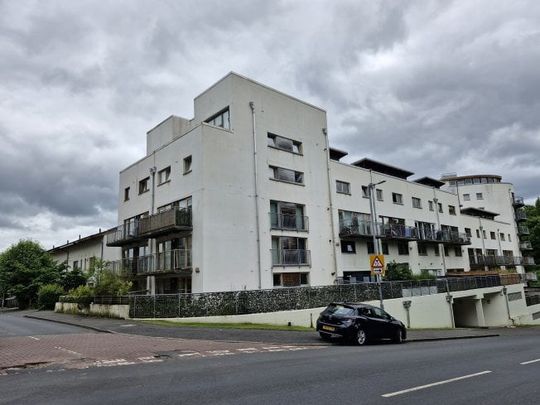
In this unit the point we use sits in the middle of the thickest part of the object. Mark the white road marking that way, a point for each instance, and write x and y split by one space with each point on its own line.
421 387
219 352
150 359
190 354
529 362
32 337
67 350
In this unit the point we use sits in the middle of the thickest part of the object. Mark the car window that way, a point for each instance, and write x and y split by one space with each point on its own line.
339 310
364 311
379 313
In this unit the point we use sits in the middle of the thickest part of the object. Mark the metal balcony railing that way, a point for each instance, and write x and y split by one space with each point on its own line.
163 222
519 201
523 230
171 261
525 245
490 261
289 222
521 215
446 236
291 257
354 228
123 234
397 231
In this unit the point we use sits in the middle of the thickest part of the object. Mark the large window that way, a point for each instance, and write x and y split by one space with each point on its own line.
286 144
221 119
289 251
289 216
343 187
184 204
287 175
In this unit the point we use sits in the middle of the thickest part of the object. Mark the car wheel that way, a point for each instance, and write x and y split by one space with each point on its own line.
361 337
398 336
325 336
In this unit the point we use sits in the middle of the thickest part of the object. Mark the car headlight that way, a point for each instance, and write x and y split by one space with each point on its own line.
347 322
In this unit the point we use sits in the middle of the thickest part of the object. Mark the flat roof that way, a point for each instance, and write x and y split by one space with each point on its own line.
429 181
469 176
383 168
479 212
97 235
337 154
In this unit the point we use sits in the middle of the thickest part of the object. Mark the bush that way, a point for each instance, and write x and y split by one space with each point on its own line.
109 284
48 295
398 272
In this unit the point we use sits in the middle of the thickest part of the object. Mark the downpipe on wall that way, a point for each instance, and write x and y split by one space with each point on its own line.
256 186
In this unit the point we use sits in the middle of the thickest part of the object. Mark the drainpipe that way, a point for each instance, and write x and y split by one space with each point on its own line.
505 293
331 208
256 186
151 280
439 245
486 268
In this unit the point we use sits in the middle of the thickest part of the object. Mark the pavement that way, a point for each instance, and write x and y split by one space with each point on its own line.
109 325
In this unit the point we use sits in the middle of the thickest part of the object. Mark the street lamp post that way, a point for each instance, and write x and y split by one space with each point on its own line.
373 212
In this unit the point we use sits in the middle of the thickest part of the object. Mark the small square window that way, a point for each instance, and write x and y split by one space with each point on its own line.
348 246
430 204
478 233
416 203
343 187
187 164
397 198
468 232
422 249
502 237
440 208
379 194
365 192
466 197
492 235
451 210
403 248
126 194
457 251
479 196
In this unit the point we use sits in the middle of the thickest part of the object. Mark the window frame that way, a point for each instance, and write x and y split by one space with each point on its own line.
348 192
272 136
187 161
396 200
296 174
167 172
146 183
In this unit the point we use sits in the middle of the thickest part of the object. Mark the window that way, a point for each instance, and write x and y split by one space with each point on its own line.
416 203
430 204
446 251
343 187
466 197
440 207
286 175
164 175
403 248
348 246
144 185
478 233
184 204
290 279
289 251
384 247
379 194
484 234
492 235
187 164
126 194
397 198
451 210
286 144
365 192
436 250
370 248
479 196
221 119
76 265
422 249
501 235
509 238
457 251
286 215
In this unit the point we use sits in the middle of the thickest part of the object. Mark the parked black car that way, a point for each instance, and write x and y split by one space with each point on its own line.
359 323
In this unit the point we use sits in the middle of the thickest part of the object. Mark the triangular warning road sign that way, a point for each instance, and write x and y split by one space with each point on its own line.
377 263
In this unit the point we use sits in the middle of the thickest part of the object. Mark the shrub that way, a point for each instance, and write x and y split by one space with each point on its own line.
398 271
48 295
109 284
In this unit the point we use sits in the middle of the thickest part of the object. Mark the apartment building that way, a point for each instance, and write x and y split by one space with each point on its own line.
248 194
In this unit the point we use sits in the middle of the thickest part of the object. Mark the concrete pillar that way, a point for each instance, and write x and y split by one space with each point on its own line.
151 284
479 312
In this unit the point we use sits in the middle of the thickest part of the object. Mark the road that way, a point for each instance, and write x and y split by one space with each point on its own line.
500 370
14 324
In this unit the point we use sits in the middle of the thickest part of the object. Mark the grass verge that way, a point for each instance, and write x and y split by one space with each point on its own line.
256 326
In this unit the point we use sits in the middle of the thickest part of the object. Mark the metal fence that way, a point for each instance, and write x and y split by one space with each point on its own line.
111 300
532 300
294 298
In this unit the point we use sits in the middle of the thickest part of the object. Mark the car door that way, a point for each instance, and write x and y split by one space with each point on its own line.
372 324
384 324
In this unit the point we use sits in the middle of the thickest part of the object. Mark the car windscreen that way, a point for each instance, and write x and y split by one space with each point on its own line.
339 310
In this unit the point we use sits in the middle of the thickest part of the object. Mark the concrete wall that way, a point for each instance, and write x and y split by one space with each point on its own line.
107 311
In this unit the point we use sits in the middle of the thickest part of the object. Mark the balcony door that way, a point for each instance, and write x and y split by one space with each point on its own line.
285 215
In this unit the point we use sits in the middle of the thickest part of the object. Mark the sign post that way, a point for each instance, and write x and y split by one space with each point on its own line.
376 264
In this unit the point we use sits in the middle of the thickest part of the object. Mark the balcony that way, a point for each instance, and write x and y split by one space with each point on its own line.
289 222
492 261
525 245
176 261
354 229
123 234
519 202
523 230
164 222
445 237
521 215
290 257
397 232
528 261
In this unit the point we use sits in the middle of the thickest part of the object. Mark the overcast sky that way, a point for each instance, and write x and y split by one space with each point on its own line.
430 86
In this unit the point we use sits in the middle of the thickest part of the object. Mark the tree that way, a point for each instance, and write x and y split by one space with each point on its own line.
398 271
25 267
533 223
